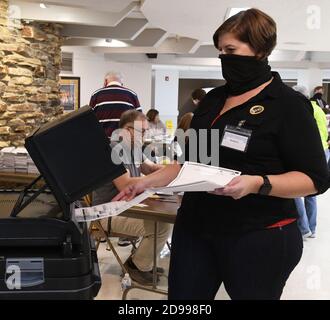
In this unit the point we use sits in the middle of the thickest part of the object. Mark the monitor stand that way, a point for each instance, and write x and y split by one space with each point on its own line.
25 199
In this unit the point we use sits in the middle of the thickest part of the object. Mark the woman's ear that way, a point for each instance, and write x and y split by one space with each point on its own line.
261 56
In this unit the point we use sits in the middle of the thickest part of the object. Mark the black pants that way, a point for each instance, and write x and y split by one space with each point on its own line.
253 265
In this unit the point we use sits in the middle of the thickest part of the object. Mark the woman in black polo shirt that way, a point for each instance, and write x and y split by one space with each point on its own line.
245 235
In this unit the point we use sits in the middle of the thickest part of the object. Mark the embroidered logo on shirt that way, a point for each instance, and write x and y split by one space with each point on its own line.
257 110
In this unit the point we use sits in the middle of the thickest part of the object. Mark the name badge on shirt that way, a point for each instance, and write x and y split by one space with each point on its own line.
236 138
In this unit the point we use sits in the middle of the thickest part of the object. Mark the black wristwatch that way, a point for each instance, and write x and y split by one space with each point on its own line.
266 187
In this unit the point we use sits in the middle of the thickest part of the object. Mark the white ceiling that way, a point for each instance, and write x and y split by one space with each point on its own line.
199 19
180 30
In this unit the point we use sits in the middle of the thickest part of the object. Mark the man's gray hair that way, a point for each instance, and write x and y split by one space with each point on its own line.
302 89
114 76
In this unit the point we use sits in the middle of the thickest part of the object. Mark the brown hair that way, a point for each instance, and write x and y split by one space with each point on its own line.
130 116
253 27
198 94
185 121
152 114
318 88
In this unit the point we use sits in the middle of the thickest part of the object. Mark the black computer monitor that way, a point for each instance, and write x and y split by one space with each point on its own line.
73 155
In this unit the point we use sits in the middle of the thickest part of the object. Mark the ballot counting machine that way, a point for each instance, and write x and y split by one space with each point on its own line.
39 234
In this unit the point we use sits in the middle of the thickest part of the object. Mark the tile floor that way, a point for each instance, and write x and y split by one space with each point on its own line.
309 281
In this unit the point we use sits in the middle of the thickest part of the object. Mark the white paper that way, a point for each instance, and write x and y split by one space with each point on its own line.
199 177
16 160
192 177
108 209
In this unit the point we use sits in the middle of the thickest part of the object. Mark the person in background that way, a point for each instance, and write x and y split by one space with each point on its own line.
196 97
112 100
185 121
109 103
307 207
156 126
127 145
184 124
318 97
177 144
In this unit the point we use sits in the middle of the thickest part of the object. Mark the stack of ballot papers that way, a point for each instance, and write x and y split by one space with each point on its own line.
21 160
191 178
8 159
31 167
17 160
196 177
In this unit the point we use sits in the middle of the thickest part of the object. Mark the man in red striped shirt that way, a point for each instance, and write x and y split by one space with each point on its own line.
112 100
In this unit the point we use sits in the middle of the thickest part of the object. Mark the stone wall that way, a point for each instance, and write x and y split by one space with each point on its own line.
30 58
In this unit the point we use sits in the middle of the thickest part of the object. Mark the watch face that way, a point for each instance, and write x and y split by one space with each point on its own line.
265 189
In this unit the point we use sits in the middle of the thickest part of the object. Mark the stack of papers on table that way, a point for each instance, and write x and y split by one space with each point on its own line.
8 159
199 177
21 160
31 167
17 160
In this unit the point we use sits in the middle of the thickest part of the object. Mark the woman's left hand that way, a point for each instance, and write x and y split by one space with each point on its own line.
240 187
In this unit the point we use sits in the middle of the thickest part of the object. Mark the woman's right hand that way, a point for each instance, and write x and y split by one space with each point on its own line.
130 191
159 178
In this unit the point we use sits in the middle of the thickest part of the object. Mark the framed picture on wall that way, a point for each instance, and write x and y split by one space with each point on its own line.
70 93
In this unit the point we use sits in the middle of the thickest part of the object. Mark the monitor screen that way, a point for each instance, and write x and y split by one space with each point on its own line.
73 155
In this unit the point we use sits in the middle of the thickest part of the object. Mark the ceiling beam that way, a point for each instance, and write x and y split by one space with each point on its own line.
124 50
149 38
82 42
318 56
300 56
293 64
178 45
168 59
68 14
126 30
169 46
206 51
324 65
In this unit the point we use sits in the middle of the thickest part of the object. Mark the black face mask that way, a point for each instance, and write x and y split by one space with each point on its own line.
318 96
244 73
